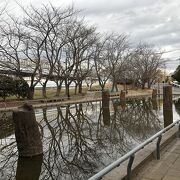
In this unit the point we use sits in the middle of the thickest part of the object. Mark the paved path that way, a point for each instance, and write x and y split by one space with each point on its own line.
168 168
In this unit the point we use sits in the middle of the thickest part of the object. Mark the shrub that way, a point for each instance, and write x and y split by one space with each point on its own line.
21 88
7 86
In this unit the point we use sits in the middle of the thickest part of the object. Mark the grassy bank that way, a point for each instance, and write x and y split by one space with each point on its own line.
51 92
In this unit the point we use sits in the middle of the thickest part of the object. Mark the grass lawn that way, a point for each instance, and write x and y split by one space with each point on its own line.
51 92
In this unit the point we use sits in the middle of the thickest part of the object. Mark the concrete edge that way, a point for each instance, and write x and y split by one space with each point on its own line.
64 103
142 157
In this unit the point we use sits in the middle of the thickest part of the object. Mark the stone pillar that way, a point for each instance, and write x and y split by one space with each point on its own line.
105 107
167 105
27 132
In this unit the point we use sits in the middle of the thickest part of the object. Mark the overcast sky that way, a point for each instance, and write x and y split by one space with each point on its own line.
152 21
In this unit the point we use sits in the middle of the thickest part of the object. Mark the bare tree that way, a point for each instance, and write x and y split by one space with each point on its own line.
145 63
11 46
54 44
49 23
100 62
116 53
58 73
78 52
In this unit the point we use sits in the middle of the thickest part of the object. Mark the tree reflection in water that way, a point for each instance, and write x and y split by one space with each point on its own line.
78 142
29 168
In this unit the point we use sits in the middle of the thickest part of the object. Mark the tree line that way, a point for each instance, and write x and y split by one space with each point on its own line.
57 44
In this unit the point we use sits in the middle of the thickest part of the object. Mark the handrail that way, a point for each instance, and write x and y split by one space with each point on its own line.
131 154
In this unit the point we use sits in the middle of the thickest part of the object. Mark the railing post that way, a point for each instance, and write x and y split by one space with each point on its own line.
131 159
158 147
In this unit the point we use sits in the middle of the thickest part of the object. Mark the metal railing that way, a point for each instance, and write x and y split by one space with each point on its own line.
131 155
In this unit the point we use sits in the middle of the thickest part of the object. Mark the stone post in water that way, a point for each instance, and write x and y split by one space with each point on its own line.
105 107
27 132
167 105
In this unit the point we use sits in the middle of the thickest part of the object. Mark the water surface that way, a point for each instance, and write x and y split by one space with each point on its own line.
78 141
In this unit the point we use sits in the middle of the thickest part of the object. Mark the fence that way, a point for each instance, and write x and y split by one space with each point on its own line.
131 155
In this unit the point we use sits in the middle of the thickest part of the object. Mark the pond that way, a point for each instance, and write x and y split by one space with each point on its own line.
81 139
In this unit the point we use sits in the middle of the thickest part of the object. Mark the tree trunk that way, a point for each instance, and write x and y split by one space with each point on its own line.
114 86
44 90
80 88
102 87
90 88
75 90
31 92
58 89
143 85
67 90
149 84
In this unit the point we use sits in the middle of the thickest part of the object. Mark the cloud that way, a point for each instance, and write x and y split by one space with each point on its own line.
113 6
154 21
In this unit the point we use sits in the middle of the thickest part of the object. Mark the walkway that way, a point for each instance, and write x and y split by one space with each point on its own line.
145 165
167 168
